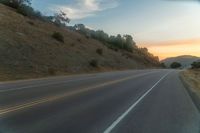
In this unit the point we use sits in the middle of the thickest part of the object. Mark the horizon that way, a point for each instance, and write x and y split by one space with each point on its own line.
173 31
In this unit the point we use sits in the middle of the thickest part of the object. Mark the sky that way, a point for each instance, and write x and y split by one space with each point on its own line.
166 27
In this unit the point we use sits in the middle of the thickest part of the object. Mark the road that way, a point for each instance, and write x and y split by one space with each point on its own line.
134 101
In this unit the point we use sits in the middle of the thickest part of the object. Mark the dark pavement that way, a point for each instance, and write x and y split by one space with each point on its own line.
134 101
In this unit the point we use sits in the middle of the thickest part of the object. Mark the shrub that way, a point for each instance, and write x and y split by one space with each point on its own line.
29 12
5 2
25 10
72 44
99 51
30 22
195 65
79 39
175 65
51 71
163 65
94 63
87 36
58 36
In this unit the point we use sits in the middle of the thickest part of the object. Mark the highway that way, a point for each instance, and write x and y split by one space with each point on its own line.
132 101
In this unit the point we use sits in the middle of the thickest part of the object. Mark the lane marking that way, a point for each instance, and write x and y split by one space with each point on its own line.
47 84
120 118
41 85
53 98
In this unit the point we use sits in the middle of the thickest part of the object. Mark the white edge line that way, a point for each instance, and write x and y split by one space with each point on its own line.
117 121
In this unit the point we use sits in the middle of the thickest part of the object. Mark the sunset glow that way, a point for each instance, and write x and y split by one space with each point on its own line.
175 48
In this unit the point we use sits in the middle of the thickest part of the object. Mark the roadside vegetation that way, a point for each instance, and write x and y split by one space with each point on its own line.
58 36
175 65
195 65
191 77
114 42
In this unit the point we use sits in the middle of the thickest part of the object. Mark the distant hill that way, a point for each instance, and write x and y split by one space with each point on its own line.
185 60
28 50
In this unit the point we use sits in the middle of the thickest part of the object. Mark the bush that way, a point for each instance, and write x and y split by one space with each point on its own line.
195 65
163 65
5 2
79 39
87 36
30 22
29 12
99 51
175 65
72 44
58 36
94 63
25 10
51 71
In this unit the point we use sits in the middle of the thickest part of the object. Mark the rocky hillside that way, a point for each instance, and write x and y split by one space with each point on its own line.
28 50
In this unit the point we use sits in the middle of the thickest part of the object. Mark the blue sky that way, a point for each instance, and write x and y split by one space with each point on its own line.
148 21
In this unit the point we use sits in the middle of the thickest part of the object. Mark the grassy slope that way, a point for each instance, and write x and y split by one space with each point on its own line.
29 51
192 77
191 80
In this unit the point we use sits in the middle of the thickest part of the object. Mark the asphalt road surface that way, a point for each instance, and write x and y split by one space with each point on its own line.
142 101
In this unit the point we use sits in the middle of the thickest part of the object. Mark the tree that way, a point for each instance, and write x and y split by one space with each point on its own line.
195 65
175 65
16 3
120 41
130 44
79 27
60 19
101 36
163 65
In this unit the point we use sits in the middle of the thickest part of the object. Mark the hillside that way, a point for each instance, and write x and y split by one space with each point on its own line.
27 50
185 60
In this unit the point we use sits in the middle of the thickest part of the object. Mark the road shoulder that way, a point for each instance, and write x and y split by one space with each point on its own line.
192 85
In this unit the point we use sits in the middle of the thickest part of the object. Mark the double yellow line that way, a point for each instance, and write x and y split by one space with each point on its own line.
53 98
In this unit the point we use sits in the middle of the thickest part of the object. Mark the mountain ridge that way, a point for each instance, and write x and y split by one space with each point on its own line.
185 60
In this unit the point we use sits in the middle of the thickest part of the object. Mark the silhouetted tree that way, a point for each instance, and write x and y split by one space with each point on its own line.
195 65
175 65
163 65
124 42
60 19
130 44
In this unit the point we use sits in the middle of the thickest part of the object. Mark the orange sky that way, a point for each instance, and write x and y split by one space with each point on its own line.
174 48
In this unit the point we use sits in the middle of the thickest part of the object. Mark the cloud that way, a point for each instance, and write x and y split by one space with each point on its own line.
85 8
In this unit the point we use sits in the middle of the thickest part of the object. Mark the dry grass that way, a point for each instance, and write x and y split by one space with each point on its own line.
27 50
192 77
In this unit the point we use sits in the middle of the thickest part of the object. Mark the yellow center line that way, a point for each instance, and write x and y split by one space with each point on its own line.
53 98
